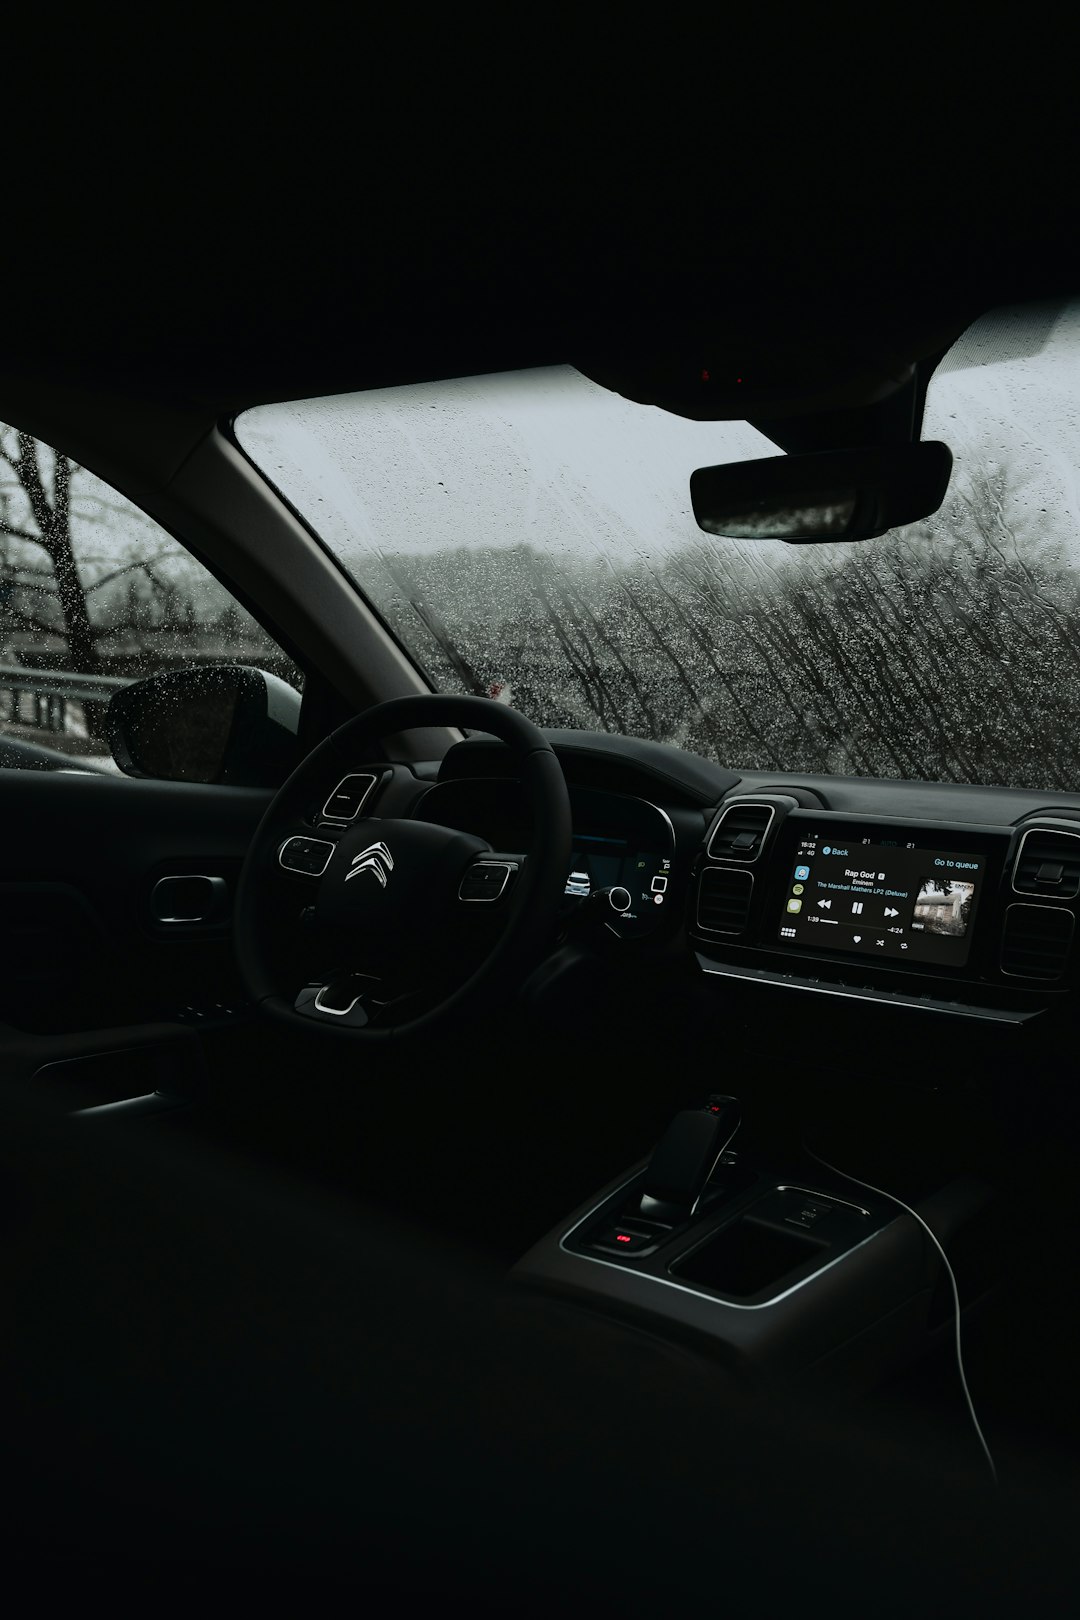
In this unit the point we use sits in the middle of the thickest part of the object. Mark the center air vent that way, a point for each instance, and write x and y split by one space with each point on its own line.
1036 941
723 905
1048 863
740 832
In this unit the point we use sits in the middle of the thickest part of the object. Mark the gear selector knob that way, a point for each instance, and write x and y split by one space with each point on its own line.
687 1153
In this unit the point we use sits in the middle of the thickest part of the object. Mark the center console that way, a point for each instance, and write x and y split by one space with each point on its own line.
789 1278
933 957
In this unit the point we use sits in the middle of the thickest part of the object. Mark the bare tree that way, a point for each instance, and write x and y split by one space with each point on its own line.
947 650
48 506
126 602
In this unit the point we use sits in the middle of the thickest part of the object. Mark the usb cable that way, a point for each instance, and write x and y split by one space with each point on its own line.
880 1191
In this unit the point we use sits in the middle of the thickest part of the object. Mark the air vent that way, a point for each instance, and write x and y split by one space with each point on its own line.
1036 941
723 905
740 832
1048 863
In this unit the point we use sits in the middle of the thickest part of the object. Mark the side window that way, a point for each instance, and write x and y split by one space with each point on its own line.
93 596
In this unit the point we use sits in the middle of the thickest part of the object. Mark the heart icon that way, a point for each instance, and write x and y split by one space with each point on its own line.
857 938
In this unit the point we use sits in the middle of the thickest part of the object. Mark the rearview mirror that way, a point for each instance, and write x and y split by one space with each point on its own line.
226 723
827 495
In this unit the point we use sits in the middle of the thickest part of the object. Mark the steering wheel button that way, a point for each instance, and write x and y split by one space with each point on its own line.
307 856
486 880
347 799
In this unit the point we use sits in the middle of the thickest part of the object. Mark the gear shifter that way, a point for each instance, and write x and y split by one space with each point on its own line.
685 1157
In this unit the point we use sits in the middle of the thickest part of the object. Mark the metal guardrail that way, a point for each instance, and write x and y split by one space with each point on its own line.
51 690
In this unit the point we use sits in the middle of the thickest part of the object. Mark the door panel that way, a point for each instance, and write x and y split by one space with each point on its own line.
80 856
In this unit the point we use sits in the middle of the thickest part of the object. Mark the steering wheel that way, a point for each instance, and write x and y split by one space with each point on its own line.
384 889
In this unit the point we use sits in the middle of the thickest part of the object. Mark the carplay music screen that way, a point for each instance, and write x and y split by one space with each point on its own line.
894 899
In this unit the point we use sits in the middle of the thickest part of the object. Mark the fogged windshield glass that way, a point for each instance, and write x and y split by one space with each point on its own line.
529 536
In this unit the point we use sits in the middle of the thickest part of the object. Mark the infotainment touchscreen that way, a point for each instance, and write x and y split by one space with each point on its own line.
892 899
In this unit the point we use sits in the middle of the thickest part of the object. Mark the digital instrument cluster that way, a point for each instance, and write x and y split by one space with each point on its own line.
626 846
635 873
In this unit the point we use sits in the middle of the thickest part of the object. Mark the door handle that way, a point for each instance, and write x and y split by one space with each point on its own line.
189 898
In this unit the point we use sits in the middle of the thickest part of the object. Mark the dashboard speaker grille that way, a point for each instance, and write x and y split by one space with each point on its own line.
723 904
740 832
1049 864
1036 941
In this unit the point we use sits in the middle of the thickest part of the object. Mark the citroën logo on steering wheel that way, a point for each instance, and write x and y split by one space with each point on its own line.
376 858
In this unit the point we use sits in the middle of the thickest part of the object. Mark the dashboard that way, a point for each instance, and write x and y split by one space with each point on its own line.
622 844
938 896
976 917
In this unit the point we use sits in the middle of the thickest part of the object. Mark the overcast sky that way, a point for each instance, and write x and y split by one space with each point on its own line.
550 459
544 457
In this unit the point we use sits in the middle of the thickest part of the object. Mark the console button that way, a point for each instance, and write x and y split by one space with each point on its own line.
620 1239
807 1213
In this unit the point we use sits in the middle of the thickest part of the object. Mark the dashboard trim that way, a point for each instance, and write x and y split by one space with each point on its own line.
889 998
810 1193
660 812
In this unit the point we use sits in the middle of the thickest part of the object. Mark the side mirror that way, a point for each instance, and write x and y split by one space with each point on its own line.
225 723
822 496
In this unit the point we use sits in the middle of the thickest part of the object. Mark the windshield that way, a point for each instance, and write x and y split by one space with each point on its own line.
529 536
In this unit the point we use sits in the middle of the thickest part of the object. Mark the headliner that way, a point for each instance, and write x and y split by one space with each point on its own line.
319 257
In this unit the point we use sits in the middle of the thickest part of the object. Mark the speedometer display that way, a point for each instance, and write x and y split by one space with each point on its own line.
605 862
621 842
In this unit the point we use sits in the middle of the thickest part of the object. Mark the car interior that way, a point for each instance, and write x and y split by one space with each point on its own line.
465 1141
